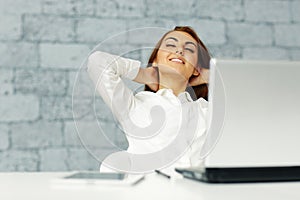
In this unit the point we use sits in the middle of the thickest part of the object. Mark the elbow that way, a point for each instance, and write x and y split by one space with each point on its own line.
98 60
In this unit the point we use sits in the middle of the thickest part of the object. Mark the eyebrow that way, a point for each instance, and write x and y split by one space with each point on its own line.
172 39
177 41
191 43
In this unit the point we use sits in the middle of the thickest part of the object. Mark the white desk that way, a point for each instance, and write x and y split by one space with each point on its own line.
38 185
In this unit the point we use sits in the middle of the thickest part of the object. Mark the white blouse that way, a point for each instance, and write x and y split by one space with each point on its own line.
163 130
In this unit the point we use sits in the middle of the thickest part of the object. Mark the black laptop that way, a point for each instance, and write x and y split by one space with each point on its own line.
243 174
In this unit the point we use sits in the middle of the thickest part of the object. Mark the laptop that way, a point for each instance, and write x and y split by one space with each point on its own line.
255 106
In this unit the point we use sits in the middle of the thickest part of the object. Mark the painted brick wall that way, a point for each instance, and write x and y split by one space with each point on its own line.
44 42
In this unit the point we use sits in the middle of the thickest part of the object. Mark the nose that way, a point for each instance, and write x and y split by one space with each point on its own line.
179 52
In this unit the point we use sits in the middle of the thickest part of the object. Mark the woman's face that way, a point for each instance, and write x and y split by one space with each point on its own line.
178 51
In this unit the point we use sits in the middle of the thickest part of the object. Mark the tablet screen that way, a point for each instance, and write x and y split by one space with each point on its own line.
96 175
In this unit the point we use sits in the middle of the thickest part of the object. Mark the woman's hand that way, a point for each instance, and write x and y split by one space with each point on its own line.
148 76
202 78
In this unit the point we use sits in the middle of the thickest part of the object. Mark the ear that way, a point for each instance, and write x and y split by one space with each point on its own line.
154 62
196 72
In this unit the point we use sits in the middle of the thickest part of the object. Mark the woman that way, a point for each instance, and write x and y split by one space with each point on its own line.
165 125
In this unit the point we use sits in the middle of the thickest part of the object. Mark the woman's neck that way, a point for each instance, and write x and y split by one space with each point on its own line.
167 81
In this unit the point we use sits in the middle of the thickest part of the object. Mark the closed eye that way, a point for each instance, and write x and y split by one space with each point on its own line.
191 50
170 45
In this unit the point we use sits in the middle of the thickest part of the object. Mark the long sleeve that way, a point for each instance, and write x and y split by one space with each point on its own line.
106 71
204 142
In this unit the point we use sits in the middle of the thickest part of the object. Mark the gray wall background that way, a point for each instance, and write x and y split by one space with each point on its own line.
43 43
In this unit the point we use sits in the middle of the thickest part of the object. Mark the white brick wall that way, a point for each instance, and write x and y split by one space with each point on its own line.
4 135
60 108
53 159
19 160
63 56
267 11
19 54
268 53
6 76
295 54
212 32
166 8
249 34
15 108
42 82
287 35
295 5
68 7
120 8
39 134
43 43
95 30
18 7
80 85
48 28
10 27
231 10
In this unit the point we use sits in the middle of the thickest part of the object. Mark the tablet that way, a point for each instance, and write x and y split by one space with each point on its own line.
97 178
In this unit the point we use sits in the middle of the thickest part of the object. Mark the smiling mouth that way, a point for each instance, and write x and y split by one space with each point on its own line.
177 60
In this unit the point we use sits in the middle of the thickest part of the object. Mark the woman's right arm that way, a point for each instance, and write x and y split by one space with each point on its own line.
106 71
148 76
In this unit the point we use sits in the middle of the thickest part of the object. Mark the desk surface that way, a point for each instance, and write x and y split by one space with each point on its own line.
39 185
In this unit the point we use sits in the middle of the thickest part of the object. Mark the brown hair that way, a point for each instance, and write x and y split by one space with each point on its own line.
198 91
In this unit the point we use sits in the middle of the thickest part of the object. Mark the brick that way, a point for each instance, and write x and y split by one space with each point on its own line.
81 159
40 82
53 159
68 7
80 84
19 108
169 8
48 28
63 56
221 9
17 7
295 54
249 34
71 137
287 35
210 32
148 31
98 30
124 50
267 11
56 108
10 27
6 77
120 8
271 53
295 7
100 134
19 160
60 108
4 142
225 51
36 135
20 54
